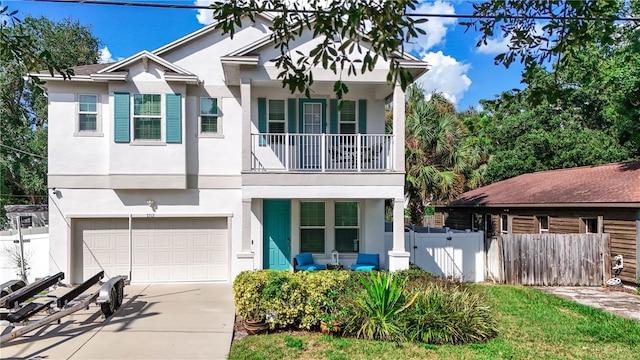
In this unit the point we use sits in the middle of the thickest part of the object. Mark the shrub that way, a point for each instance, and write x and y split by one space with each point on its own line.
247 294
449 314
377 309
298 300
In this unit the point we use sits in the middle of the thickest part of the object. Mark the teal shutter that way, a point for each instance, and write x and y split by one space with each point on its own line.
333 116
362 116
174 118
262 120
121 118
291 116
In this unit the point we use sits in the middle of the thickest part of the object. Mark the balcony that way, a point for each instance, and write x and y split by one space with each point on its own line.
322 152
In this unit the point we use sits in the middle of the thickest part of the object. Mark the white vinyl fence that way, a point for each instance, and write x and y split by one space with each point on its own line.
36 253
453 255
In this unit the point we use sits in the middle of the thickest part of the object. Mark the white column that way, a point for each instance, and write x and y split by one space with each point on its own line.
245 256
398 256
245 100
398 126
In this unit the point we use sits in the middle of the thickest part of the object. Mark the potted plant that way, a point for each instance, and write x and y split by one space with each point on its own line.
256 323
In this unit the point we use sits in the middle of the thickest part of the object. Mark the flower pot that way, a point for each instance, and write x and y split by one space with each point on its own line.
255 327
326 329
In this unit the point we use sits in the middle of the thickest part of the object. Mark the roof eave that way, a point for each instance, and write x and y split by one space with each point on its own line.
189 79
546 205
240 60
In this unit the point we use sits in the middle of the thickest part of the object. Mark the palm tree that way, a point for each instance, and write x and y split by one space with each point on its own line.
441 161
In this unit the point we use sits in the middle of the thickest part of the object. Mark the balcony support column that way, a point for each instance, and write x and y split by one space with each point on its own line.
398 127
398 256
245 100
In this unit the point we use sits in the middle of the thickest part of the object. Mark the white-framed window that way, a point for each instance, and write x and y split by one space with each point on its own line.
543 223
276 116
87 113
210 116
348 123
147 117
504 224
312 227
590 225
347 226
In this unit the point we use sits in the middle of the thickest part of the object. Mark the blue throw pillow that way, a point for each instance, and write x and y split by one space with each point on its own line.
304 259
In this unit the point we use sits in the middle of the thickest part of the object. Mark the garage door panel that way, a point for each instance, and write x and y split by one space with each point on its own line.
99 244
162 241
163 250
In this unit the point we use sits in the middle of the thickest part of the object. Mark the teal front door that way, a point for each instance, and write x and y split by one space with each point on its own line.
277 234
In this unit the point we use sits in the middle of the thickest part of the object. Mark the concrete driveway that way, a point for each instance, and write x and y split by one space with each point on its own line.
185 321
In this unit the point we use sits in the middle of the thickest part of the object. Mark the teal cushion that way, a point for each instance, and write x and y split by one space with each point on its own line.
368 259
311 267
363 267
304 259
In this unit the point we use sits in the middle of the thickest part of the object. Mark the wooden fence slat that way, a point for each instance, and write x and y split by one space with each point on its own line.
555 259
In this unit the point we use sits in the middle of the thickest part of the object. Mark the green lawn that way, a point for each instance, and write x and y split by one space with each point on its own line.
532 325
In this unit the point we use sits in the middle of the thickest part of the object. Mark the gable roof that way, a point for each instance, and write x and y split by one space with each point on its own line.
144 54
200 32
603 185
268 39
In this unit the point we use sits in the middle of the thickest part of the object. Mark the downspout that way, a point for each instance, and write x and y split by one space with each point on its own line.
130 246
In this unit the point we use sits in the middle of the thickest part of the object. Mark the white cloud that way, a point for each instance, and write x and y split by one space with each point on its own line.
105 56
204 17
446 75
435 28
500 43
497 45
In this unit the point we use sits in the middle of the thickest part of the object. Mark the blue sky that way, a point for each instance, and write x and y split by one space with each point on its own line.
461 71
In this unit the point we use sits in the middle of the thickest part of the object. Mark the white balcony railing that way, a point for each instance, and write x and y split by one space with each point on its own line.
322 152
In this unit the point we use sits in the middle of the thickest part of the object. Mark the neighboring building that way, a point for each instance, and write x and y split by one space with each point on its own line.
28 216
589 199
192 163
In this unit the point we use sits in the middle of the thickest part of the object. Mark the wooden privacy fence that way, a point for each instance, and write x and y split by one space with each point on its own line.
556 259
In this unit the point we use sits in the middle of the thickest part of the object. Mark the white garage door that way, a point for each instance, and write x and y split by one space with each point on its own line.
163 249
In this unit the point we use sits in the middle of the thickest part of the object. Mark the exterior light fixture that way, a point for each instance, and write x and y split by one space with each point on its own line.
335 257
151 203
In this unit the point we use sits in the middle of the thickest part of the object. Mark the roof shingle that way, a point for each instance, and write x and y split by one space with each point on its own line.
610 183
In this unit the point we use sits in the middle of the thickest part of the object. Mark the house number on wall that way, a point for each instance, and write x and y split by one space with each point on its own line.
151 215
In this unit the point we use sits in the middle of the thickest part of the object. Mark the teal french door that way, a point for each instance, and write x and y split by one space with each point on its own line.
276 234
312 122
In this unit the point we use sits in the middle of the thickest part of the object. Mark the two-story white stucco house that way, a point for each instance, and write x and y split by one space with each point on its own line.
193 163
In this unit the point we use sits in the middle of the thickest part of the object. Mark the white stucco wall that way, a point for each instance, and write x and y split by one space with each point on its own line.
69 204
71 152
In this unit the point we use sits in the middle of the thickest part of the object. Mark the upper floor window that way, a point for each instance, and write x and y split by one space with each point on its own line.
209 116
543 224
87 113
347 227
504 224
276 116
348 117
147 117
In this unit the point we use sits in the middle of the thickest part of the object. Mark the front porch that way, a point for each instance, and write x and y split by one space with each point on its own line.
280 229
